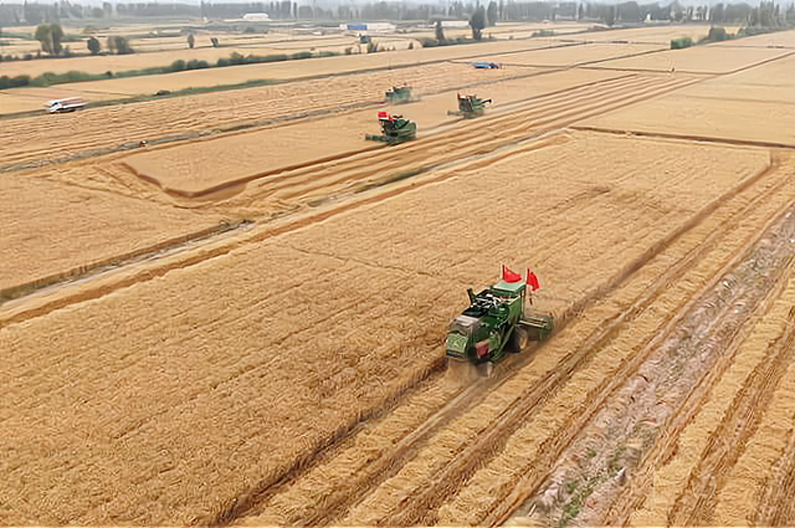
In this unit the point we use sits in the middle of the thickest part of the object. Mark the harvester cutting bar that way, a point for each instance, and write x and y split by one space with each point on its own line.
382 139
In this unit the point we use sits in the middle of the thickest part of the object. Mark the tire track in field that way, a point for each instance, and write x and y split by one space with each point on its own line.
696 502
775 506
393 460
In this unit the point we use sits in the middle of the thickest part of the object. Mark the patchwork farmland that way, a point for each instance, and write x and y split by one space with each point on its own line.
231 308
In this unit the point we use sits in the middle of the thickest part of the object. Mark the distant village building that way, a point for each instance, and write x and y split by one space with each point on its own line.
455 23
256 17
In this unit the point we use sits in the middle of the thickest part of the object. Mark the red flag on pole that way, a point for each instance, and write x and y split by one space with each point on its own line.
510 276
532 280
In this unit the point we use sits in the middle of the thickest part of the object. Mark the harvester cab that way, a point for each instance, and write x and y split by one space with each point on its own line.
497 321
470 106
395 129
399 95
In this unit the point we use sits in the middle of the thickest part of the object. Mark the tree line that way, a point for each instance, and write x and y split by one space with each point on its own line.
766 14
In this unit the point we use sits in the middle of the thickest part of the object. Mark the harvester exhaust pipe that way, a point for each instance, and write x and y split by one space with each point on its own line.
471 294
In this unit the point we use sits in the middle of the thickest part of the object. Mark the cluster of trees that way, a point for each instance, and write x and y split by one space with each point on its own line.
51 37
49 78
766 14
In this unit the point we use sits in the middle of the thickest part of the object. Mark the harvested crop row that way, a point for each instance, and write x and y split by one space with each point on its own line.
50 227
643 416
753 475
176 408
529 452
669 480
313 493
321 491
353 171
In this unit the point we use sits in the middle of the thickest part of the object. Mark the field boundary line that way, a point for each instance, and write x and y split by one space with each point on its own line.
685 137
24 289
691 72
776 495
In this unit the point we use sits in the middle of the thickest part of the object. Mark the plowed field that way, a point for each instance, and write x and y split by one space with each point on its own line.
285 366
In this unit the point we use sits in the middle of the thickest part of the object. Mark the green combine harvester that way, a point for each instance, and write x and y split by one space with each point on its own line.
400 95
395 129
470 106
496 322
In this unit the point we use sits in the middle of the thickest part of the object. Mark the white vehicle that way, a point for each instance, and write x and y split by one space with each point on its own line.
58 106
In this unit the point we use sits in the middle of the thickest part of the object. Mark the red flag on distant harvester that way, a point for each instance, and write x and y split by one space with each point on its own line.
532 280
510 276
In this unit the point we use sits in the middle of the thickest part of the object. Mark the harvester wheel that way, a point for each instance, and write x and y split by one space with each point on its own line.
520 339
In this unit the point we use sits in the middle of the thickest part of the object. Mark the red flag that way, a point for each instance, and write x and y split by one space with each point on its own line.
510 276
532 280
